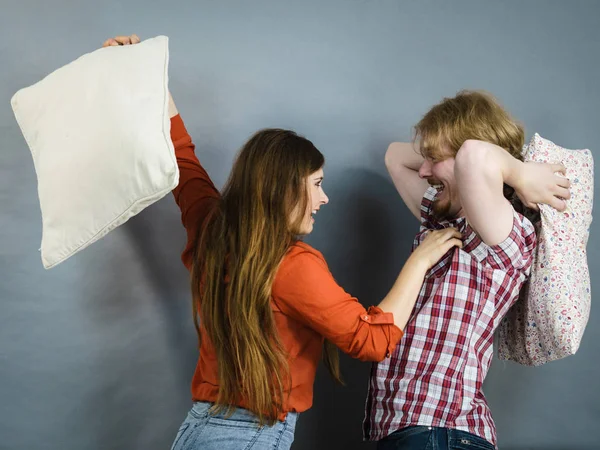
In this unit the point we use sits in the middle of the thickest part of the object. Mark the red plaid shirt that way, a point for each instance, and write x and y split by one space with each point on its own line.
435 374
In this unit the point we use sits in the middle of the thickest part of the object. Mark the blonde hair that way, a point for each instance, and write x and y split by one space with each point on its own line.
472 115
468 115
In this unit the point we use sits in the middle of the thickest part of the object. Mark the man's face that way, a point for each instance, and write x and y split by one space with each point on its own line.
440 171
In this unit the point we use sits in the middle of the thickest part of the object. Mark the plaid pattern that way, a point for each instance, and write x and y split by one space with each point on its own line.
435 374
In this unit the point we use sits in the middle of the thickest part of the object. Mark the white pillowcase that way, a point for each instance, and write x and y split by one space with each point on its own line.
99 133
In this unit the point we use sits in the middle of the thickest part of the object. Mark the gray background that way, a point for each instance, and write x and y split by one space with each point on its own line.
98 353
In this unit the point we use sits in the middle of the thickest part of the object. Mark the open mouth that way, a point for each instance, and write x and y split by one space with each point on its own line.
436 184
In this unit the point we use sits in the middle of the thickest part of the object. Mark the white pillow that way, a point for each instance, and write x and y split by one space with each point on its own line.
99 133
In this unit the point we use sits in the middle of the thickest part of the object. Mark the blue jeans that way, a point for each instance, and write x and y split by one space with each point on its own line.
433 438
241 431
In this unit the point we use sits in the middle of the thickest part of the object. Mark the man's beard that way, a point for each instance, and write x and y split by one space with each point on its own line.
441 208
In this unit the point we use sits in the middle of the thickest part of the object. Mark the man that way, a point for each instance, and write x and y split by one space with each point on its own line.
428 393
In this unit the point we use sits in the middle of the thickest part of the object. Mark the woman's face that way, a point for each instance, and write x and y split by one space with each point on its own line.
316 199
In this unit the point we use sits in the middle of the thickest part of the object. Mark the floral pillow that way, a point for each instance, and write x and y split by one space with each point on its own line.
548 320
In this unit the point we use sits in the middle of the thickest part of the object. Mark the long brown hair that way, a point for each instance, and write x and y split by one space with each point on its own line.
235 263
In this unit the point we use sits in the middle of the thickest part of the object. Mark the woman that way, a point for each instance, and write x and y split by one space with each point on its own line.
265 302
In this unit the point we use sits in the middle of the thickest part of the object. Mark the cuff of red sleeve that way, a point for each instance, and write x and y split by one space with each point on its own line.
376 316
178 130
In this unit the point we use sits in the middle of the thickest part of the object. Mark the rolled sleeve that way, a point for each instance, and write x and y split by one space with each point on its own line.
376 316
305 290
516 251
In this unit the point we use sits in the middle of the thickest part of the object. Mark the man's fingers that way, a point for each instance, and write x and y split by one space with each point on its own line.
563 193
558 204
559 168
563 182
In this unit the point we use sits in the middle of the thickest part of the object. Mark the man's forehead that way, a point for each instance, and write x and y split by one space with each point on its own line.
438 153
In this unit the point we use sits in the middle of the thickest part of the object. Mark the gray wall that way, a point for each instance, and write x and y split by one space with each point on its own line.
98 353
